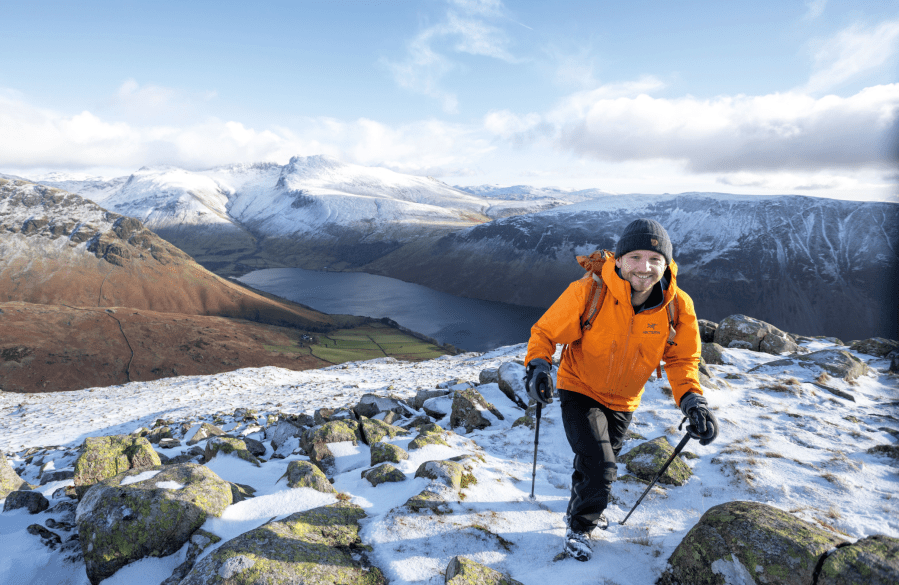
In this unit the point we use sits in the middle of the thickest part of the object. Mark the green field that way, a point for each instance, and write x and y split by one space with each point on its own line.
365 342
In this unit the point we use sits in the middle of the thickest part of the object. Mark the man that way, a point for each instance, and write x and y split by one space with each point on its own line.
605 365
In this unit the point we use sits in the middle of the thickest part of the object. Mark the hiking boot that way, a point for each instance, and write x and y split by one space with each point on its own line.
603 522
577 545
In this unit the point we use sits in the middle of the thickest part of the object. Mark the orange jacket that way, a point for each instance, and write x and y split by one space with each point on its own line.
612 360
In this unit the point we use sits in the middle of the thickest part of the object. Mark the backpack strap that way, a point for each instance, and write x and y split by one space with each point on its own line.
597 296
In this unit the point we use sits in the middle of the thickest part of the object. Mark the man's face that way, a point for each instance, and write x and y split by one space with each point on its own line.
642 269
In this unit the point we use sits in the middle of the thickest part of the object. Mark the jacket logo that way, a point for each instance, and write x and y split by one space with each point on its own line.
651 325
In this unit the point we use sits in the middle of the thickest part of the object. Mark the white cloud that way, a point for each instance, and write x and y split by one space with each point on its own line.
815 8
461 31
38 138
853 51
725 134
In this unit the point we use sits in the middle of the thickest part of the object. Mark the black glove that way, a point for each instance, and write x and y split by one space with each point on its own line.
703 423
538 381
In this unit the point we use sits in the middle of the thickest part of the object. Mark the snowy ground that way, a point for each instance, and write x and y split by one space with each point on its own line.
784 441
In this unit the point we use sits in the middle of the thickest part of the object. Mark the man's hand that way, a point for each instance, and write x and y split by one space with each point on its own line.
702 421
538 381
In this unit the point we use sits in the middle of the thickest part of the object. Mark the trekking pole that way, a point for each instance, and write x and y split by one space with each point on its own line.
536 442
680 447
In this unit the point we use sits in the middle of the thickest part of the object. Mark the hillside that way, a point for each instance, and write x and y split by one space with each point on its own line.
89 297
811 445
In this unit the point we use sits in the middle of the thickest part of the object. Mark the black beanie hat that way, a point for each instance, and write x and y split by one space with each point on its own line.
644 234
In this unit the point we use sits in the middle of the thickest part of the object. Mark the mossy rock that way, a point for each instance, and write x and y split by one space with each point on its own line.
158 433
713 353
429 434
748 542
321 455
873 561
525 421
462 571
436 499
335 431
34 502
305 474
449 473
316 547
646 459
890 451
9 479
205 431
374 430
120 522
105 457
876 346
836 362
241 492
229 446
468 410
387 452
383 473
199 541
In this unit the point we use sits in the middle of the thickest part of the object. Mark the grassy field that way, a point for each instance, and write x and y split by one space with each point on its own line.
365 342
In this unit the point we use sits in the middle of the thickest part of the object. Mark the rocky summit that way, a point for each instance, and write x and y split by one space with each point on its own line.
386 471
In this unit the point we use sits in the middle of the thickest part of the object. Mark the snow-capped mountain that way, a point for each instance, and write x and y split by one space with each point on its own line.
312 212
815 265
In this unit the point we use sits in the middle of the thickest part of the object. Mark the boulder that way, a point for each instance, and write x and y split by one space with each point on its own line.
305 474
48 538
469 409
374 430
438 406
646 459
778 342
889 451
713 353
257 448
149 513
873 561
448 384
387 452
488 376
34 502
9 479
836 362
321 456
199 541
157 434
316 547
204 431
281 432
169 443
371 404
462 571
415 422
876 346
105 457
436 498
229 446
706 330
422 395
59 475
448 473
241 492
322 415
744 330
382 474
335 431
429 434
748 542
510 378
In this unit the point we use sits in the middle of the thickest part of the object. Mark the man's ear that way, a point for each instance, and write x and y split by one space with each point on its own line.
618 262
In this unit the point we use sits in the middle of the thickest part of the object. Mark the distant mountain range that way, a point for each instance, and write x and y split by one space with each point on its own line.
816 266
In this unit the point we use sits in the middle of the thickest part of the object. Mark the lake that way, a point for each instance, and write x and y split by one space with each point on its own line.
469 324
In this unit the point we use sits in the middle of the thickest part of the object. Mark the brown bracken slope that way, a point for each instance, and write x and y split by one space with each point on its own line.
91 298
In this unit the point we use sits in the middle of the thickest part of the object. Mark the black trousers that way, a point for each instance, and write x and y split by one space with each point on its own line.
596 435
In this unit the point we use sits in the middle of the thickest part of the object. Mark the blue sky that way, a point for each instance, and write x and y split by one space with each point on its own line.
642 96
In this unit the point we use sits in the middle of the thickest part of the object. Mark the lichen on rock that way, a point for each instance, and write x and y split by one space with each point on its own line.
9 479
105 457
316 547
120 522
462 571
229 446
429 434
646 459
374 430
384 473
387 452
305 474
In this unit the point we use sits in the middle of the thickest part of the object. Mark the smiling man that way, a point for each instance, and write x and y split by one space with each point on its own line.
641 318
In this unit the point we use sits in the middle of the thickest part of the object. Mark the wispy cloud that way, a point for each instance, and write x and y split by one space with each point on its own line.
852 52
814 8
464 29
